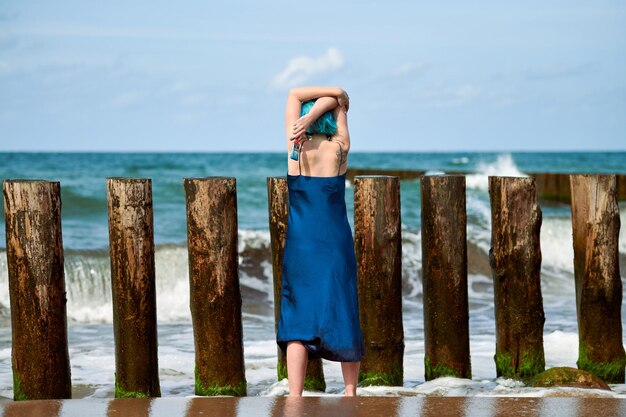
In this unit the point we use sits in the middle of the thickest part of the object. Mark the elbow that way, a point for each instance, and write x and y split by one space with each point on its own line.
294 92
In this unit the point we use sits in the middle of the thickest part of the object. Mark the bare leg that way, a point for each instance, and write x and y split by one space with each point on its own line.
350 371
297 358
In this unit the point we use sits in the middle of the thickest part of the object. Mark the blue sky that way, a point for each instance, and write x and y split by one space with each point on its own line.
213 76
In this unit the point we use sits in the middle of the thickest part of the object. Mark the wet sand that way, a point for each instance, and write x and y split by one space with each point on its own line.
321 407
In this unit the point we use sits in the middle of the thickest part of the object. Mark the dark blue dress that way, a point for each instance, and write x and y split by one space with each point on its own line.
319 304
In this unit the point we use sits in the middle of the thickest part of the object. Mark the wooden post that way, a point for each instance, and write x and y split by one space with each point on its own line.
596 223
131 242
444 266
621 187
40 360
552 186
378 247
214 285
278 204
515 259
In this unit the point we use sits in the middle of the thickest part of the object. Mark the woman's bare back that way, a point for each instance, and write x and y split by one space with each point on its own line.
320 157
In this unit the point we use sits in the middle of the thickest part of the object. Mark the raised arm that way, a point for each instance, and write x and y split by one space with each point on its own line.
321 106
310 93
343 134
328 99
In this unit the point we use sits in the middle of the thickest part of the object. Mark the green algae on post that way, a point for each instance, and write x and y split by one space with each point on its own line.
610 372
281 370
18 392
235 390
394 378
314 384
439 370
529 365
122 393
214 390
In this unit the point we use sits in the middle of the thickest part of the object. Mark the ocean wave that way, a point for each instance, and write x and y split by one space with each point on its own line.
88 280
87 272
504 165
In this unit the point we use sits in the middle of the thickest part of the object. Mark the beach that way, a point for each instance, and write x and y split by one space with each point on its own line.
322 407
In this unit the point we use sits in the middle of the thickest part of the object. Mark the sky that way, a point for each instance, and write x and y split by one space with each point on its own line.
213 76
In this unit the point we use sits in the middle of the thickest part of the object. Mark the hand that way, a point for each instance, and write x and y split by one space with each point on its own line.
299 139
343 100
301 125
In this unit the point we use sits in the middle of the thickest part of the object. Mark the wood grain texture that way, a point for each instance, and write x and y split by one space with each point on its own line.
515 258
596 223
214 285
444 277
40 361
378 248
131 243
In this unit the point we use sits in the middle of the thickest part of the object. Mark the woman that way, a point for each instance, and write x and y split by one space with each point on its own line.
319 314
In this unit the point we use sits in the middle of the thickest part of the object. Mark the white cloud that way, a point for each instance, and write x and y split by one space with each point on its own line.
302 68
407 69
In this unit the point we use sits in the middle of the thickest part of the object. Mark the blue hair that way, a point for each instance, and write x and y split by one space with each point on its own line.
325 124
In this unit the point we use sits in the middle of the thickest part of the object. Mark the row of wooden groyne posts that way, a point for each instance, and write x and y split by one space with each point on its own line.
40 360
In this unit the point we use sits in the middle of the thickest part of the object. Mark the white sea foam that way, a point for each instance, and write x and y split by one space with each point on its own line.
435 172
464 160
411 262
256 239
557 249
502 166
479 221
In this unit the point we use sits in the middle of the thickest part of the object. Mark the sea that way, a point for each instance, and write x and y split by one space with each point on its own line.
87 269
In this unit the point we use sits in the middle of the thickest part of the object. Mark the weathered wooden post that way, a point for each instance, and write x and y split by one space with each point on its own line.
444 277
278 204
596 223
40 361
621 187
378 247
214 285
515 259
131 242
